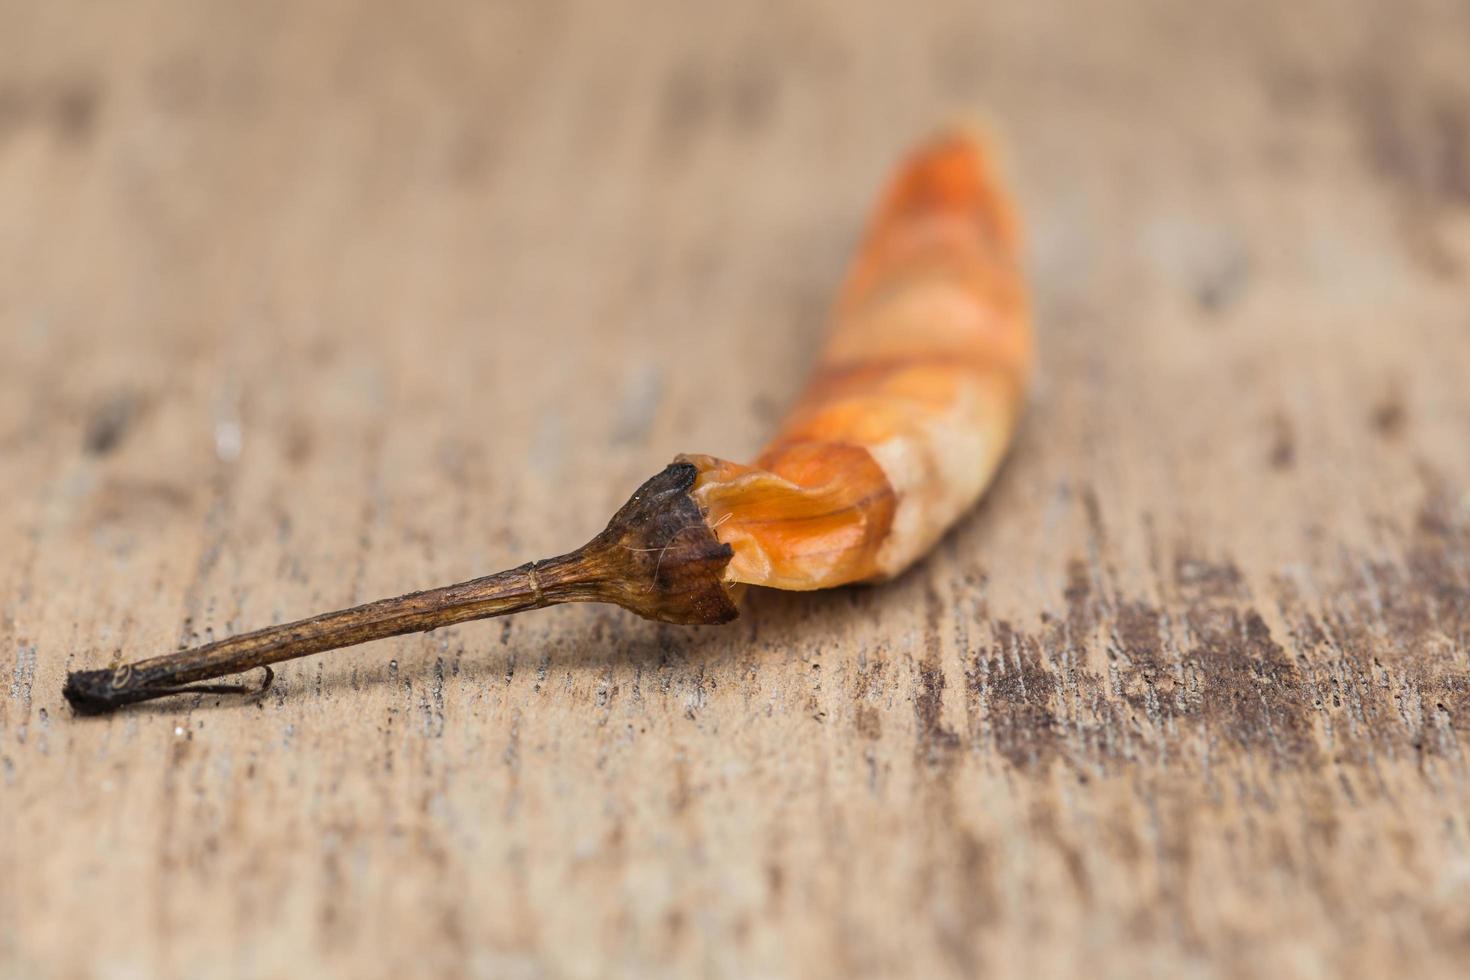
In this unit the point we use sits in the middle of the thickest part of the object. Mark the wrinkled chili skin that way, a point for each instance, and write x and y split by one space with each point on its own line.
913 400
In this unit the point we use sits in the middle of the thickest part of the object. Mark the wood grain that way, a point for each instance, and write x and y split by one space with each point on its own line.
306 303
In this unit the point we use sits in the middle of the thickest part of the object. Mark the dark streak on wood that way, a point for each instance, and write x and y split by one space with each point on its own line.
1389 417
1283 443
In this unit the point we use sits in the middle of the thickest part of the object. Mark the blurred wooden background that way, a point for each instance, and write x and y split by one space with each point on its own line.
305 303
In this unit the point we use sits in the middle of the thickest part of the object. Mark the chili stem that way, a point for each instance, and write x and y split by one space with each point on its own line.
657 557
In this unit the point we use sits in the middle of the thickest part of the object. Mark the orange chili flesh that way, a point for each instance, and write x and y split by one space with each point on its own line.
914 399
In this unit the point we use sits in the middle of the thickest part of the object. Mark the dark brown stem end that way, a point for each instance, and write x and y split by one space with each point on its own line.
657 557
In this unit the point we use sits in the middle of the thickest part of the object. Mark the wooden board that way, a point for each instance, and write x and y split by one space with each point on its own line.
302 304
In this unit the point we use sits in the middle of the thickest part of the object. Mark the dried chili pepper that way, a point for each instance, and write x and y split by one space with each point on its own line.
912 405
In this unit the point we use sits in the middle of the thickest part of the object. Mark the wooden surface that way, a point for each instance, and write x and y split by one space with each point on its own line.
302 304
